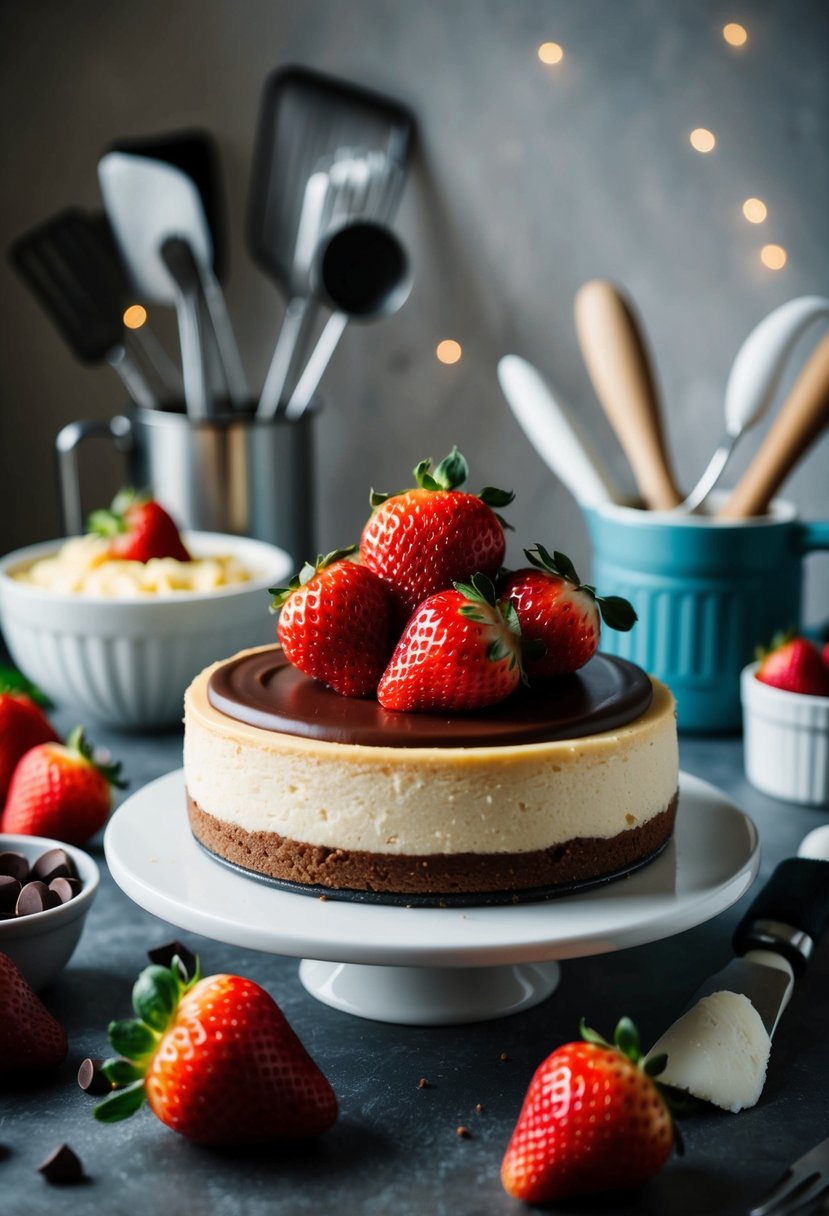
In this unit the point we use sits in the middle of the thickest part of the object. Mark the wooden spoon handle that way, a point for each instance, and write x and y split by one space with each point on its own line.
614 351
801 419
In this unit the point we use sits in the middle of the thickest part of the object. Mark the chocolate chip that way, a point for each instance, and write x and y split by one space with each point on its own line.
62 1166
14 864
10 888
35 897
164 955
54 863
91 1077
65 888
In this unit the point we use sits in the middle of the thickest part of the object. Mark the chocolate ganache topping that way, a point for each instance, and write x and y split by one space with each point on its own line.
263 689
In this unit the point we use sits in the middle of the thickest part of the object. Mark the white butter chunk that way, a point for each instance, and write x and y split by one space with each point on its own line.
718 1051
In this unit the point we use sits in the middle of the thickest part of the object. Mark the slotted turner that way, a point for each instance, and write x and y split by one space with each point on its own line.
307 123
73 271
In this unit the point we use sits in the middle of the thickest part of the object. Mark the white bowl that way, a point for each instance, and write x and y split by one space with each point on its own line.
785 741
127 662
42 944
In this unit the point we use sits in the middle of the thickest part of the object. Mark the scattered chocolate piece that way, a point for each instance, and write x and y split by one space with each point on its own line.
65 888
479 1110
62 1166
503 1057
54 863
15 865
36 897
91 1077
464 1133
423 1083
164 955
10 889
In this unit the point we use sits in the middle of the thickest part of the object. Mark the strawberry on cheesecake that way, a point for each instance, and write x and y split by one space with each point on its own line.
431 725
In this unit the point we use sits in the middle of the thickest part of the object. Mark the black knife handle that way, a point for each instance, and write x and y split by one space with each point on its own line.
796 897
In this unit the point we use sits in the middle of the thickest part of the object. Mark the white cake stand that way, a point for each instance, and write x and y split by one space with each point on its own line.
431 966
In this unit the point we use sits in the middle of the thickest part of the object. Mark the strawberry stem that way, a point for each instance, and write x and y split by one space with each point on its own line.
15 683
280 594
77 742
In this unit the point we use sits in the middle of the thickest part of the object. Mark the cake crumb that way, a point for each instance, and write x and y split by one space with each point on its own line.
479 1110
503 1057
423 1084
464 1133
323 898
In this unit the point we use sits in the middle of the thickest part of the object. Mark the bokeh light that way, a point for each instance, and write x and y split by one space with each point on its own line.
550 52
735 34
448 351
755 210
135 316
773 257
702 140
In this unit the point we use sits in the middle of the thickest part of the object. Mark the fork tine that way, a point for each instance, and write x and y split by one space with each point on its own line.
792 1193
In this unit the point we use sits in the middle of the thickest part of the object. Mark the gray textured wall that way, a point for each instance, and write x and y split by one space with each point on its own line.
528 181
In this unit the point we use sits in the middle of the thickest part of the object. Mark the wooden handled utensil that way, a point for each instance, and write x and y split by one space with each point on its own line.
802 418
617 361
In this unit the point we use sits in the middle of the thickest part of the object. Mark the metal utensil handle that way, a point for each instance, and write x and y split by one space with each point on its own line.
132 378
314 369
231 360
69 438
790 913
291 338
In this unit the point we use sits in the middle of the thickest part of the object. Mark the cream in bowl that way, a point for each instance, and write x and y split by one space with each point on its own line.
83 565
125 659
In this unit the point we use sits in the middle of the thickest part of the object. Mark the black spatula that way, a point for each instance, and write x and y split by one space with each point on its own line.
71 265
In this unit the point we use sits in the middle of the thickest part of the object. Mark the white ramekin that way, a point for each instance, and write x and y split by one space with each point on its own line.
127 662
785 741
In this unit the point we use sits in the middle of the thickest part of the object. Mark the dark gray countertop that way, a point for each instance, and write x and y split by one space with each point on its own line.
395 1148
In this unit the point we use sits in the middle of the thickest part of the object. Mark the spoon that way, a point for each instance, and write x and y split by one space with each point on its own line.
553 432
363 273
614 350
754 379
802 418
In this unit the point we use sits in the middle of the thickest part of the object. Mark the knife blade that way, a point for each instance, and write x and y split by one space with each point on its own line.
718 1049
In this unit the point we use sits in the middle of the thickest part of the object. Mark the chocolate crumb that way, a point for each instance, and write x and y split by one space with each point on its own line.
163 956
464 1133
479 1110
503 1057
323 899
423 1084
62 1166
92 1078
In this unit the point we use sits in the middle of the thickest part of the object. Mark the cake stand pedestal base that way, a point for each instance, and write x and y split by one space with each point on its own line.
429 996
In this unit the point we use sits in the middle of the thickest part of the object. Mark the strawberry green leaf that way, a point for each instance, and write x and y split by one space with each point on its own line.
451 472
77 741
15 682
617 612
494 497
591 1036
309 569
626 1038
121 1072
479 590
132 1039
655 1064
120 1104
155 995
376 499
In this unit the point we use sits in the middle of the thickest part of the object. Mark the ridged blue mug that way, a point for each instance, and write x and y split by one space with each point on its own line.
707 592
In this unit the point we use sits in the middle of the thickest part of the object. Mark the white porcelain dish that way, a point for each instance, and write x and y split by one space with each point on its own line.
785 741
41 944
127 661
430 966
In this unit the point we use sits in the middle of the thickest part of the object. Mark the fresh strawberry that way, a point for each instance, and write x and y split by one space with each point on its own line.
29 1035
426 539
23 724
460 650
60 791
559 614
796 665
216 1060
138 529
335 623
592 1120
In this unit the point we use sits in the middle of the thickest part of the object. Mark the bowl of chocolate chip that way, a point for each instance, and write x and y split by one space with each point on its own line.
46 890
